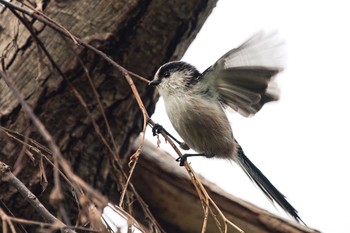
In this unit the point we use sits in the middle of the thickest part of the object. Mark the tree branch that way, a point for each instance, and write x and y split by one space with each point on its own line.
7 175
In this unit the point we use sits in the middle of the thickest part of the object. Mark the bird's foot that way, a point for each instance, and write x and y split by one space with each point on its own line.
157 129
184 157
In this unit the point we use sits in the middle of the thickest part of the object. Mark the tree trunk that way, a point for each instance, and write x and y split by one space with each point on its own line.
140 36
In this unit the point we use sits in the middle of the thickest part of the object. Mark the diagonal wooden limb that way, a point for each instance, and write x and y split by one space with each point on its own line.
7 176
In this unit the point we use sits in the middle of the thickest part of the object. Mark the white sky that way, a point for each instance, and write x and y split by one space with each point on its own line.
300 143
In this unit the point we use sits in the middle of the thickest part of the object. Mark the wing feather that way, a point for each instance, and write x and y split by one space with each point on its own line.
244 76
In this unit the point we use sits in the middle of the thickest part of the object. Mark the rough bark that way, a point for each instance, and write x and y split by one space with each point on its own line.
139 35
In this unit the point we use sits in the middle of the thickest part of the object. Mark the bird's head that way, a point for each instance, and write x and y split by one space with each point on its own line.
174 77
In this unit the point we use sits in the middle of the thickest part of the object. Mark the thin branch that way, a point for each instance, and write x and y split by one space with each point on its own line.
97 98
11 219
3 205
58 69
121 200
205 220
19 164
202 193
7 175
121 212
6 220
139 101
35 147
54 148
39 12
57 27
226 221
122 69
41 17
57 192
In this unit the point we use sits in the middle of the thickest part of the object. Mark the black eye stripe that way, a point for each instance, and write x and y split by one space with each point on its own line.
167 69
166 74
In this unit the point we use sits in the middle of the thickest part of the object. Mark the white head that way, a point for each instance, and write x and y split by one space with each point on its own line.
175 77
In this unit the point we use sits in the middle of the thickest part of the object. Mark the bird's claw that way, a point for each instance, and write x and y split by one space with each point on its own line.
182 160
157 129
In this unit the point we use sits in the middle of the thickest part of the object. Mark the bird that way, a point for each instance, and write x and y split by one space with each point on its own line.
243 79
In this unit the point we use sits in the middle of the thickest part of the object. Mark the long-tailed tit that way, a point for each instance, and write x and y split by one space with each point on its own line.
242 79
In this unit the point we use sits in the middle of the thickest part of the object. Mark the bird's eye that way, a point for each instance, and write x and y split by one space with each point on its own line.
166 74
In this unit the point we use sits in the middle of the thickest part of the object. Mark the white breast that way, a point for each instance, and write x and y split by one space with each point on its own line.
201 123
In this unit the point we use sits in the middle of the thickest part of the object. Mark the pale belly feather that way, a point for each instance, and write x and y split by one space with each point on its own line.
204 127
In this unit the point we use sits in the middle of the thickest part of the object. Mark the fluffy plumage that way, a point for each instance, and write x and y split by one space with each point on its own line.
242 79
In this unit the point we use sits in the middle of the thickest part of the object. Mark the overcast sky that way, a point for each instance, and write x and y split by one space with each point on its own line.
301 142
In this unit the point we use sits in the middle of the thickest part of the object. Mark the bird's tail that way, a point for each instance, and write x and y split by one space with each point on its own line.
265 185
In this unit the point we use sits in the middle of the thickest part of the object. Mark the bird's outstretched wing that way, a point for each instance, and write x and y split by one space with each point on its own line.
243 77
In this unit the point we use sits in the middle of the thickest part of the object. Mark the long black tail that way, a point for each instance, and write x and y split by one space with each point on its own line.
265 185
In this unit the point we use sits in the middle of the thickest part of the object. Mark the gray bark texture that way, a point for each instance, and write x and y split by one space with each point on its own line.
140 36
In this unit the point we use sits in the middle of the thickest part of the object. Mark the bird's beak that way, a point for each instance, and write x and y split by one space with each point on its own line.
154 82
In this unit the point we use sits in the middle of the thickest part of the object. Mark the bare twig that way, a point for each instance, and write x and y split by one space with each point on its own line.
56 193
6 220
121 200
77 94
10 219
97 98
3 217
50 20
121 212
205 220
122 69
139 102
39 16
54 148
35 147
38 148
202 193
19 164
54 64
7 175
